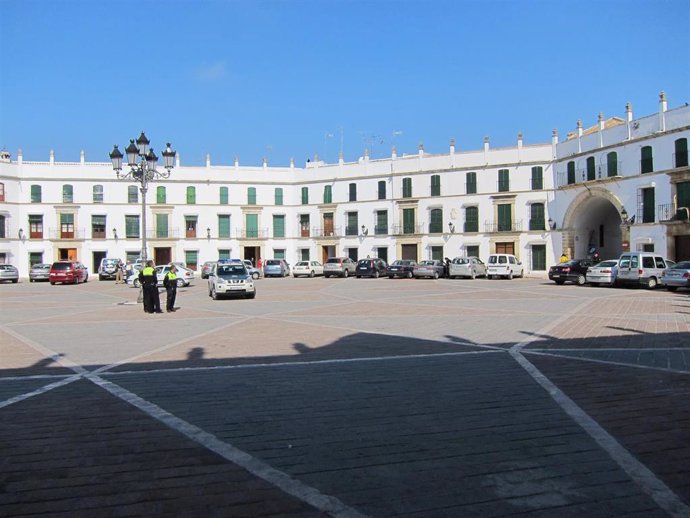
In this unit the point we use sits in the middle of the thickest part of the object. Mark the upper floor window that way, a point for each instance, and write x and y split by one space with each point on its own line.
536 217
382 190
591 168
352 228
279 196
2 191
224 226
612 164
3 227
571 172
327 194
353 192
436 221
537 178
67 193
161 195
305 195
98 226
191 195
681 153
98 194
471 219
251 196
132 194
646 160
407 188
503 180
436 185
35 226
66 225
646 205
36 196
132 226
278 225
471 183
190 224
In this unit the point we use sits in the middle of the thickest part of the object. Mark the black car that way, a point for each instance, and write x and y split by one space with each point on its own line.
574 270
401 268
371 268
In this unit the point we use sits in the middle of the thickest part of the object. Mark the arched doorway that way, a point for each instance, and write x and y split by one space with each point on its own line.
593 220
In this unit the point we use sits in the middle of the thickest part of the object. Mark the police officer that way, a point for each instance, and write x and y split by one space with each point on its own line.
170 283
149 282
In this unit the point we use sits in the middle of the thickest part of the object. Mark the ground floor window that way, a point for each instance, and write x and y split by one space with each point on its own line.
132 256
3 258
505 248
538 257
35 258
647 247
472 251
191 257
278 253
382 253
353 254
304 254
437 253
224 253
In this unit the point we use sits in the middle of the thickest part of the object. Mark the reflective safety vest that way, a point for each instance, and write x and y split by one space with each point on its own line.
171 276
148 271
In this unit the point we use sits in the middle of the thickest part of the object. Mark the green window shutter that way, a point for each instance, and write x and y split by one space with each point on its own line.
539 257
436 185
66 218
683 194
353 192
472 250
98 221
471 183
252 225
537 178
191 257
407 187
251 196
681 149
352 224
612 164
437 253
648 208
278 226
408 221
223 253
381 222
536 220
279 196
305 196
132 194
503 180
161 225
160 194
571 173
382 190
279 253
191 195
647 160
67 194
436 221
591 169
36 196
327 195
224 226
223 195
505 222
471 219
132 226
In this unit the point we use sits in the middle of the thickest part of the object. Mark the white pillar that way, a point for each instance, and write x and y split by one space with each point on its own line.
602 124
579 135
82 157
629 118
208 159
663 106
52 156
554 142
394 153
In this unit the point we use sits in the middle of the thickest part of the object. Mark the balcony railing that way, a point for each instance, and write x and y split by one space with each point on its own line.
56 234
492 226
252 233
670 212
680 159
325 232
582 175
401 230
162 233
381 230
537 224
351 230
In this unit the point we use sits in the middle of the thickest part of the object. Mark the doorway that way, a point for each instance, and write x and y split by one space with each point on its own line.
682 248
252 253
326 252
162 255
505 248
67 254
97 256
409 252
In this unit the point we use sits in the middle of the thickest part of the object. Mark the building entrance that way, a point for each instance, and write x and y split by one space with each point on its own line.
162 255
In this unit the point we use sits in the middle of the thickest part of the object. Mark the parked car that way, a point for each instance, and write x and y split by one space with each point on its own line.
371 268
428 268
72 272
339 267
39 272
603 273
503 265
470 267
184 276
645 268
573 270
307 269
9 273
108 268
254 272
276 268
677 276
206 269
230 279
401 268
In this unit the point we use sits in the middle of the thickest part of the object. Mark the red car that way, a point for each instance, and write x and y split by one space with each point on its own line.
72 272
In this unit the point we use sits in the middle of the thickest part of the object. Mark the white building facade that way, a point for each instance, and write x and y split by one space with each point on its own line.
623 184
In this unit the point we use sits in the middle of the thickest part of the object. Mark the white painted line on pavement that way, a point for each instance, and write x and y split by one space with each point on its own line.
554 354
39 391
280 479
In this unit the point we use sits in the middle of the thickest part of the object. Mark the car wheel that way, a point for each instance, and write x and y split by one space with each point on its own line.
671 288
346 274
326 276
594 284
136 283
409 275
180 283
435 275
390 276
255 275
560 283
376 274
510 276
473 276
311 273
251 295
580 281
214 294
651 283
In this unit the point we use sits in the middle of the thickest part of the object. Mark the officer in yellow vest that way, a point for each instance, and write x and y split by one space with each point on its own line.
170 283
149 283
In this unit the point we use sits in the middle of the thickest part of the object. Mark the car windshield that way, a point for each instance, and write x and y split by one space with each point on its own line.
607 264
302 263
333 260
231 270
461 260
272 262
683 265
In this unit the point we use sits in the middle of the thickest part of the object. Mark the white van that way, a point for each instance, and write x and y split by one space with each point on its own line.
643 268
503 265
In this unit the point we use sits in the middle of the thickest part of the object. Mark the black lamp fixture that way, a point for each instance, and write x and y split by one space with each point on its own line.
552 224
451 227
624 215
115 233
208 233
21 235
365 230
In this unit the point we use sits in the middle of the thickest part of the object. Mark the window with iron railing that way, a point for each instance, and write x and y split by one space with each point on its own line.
503 180
505 217
224 226
536 219
408 221
278 225
381 227
591 168
190 224
161 226
681 153
66 225
646 160
612 164
35 226
132 226
471 219
571 173
537 178
98 227
436 221
352 228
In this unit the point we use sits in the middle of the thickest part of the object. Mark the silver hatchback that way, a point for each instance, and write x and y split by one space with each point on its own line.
339 267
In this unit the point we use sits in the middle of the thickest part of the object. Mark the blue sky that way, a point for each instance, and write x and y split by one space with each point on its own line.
286 79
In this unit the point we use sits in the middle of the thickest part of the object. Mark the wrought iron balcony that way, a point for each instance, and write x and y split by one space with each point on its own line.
509 226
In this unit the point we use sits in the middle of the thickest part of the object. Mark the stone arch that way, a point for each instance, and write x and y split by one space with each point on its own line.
593 218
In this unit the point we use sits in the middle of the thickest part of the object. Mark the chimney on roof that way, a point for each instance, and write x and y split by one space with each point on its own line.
264 162
486 143
341 158
602 124
208 159
452 146
663 106
20 156
82 157
292 163
394 152
52 156
237 161
579 135
554 142
519 140
421 149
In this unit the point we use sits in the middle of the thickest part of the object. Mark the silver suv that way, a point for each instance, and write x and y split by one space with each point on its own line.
339 266
645 268
108 268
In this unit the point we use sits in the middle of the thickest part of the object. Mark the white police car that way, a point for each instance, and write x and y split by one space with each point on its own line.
230 278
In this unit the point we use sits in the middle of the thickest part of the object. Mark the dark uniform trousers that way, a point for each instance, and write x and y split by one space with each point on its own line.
149 283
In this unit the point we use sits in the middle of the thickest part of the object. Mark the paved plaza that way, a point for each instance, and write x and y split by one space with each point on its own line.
346 397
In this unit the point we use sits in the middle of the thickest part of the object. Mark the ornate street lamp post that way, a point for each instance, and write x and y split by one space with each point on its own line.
142 162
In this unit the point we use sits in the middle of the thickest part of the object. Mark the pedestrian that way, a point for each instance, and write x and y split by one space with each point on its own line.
446 267
170 283
149 283
119 272
259 264
564 257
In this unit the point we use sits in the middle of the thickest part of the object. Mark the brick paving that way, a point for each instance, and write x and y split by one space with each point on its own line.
327 397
